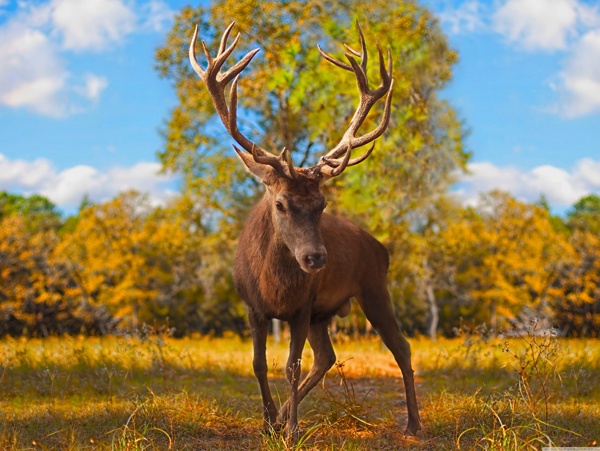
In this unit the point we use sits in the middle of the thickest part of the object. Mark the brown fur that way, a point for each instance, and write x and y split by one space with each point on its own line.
270 279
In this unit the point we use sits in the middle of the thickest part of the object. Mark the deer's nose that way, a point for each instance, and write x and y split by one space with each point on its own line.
316 261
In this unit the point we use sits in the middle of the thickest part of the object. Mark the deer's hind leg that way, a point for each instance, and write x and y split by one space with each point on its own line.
320 342
259 327
377 306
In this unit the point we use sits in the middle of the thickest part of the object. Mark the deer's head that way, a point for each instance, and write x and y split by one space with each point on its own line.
293 194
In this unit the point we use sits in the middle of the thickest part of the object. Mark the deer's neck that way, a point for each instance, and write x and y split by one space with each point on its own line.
282 285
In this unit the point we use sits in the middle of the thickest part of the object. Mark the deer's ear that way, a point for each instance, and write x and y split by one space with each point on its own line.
264 172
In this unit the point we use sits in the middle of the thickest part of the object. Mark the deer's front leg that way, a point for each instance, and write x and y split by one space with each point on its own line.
299 327
318 337
259 327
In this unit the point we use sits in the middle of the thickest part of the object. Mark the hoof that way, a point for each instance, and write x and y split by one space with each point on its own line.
272 429
412 429
292 433
284 414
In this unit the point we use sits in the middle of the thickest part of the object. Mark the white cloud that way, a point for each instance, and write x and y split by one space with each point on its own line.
31 74
589 15
562 188
537 24
466 18
91 24
26 174
559 186
158 15
38 37
580 79
570 26
93 86
588 171
66 188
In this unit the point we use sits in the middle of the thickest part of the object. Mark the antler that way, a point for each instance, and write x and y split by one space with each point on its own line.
216 81
338 158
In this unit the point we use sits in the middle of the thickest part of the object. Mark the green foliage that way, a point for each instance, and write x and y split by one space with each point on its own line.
38 211
585 215
290 97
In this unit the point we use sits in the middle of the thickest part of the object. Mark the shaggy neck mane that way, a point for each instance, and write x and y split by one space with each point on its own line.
277 263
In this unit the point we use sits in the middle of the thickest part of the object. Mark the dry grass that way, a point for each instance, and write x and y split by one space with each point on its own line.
199 393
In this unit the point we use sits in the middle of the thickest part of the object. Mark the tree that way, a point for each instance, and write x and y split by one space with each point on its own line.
38 296
585 215
486 264
521 257
291 97
452 240
145 265
575 296
39 212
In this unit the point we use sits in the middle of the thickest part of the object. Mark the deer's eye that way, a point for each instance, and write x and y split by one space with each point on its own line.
279 206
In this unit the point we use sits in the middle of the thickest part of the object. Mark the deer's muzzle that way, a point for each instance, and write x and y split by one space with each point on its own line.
313 262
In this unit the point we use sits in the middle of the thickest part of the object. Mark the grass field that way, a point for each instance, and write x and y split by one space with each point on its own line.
125 393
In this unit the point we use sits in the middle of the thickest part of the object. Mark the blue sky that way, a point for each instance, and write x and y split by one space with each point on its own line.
81 105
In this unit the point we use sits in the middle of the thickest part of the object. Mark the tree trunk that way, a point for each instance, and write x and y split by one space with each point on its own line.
276 330
434 311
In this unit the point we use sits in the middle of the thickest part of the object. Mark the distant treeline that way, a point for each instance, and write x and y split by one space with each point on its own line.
119 264
125 263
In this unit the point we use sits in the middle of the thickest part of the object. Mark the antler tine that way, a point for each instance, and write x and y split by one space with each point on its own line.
222 55
351 162
284 160
223 43
232 119
362 54
236 69
192 54
363 48
338 158
351 50
333 60
336 167
361 76
377 132
385 73
333 155
341 165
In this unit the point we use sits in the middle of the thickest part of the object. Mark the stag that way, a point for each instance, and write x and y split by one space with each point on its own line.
297 263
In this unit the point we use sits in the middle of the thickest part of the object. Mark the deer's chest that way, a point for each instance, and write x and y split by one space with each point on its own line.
283 294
